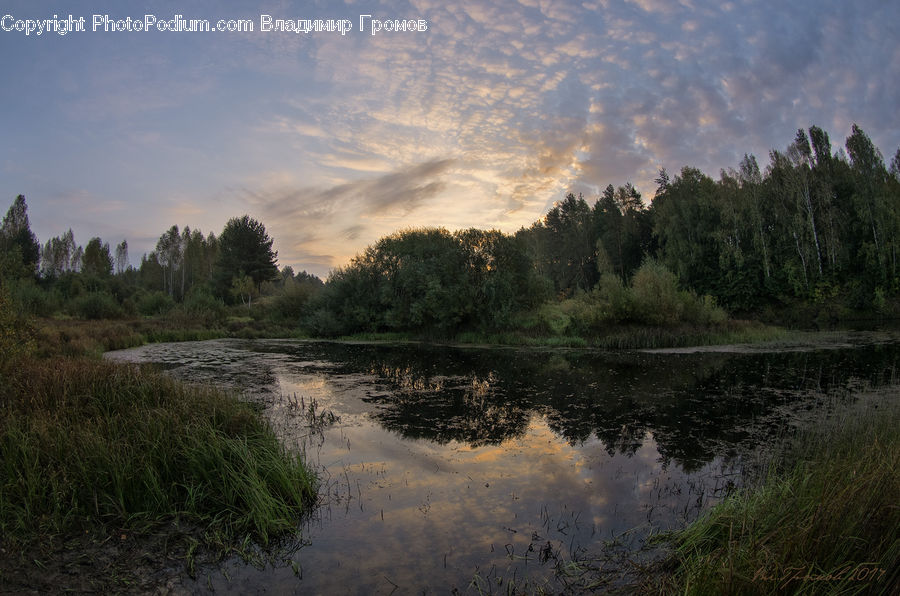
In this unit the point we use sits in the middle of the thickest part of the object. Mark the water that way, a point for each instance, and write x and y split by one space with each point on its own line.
477 469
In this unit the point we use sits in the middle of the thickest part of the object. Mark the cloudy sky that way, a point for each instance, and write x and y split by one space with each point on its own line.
482 120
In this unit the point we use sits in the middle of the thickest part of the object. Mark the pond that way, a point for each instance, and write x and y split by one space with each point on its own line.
476 469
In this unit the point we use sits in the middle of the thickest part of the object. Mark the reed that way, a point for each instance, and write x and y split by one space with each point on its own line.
823 519
84 441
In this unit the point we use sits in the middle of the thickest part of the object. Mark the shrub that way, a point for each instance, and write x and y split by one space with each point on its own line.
31 298
292 303
656 294
155 303
200 305
619 300
553 319
95 305
703 310
16 332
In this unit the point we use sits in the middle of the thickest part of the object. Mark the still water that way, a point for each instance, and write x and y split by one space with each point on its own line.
477 469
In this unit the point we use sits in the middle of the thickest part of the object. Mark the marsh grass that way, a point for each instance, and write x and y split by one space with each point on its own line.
111 474
634 336
83 441
79 337
823 519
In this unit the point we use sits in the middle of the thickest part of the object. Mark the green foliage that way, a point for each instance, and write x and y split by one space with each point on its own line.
244 247
428 281
242 287
18 244
95 305
87 440
812 231
617 298
154 303
553 319
97 260
292 303
826 506
653 301
16 331
686 216
34 300
658 301
201 306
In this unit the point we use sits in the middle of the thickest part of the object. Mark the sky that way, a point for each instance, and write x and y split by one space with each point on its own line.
483 118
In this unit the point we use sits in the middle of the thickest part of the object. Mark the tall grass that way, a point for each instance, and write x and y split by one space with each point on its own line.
83 441
825 518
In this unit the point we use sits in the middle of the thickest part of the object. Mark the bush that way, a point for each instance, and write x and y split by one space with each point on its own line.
95 305
34 300
291 305
155 303
656 294
619 299
553 319
324 323
16 332
703 310
202 306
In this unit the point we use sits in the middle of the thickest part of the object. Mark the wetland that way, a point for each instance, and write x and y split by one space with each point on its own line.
477 469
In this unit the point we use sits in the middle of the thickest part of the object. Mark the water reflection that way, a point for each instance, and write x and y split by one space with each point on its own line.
448 464
696 406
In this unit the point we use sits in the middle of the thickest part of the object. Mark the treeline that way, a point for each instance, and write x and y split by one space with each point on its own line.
429 280
812 226
815 227
199 275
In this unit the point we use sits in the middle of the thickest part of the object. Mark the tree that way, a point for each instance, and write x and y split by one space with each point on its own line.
57 256
151 274
562 245
242 286
895 166
20 247
873 207
622 229
96 260
121 257
244 246
686 219
501 278
169 254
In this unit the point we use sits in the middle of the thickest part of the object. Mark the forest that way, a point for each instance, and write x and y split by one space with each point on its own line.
814 231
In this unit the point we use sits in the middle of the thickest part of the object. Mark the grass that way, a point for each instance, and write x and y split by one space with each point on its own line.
616 337
635 336
78 337
824 518
84 441
729 332
96 457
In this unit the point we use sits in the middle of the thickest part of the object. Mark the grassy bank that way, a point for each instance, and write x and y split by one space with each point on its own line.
824 519
78 337
613 337
93 453
636 336
85 441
